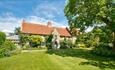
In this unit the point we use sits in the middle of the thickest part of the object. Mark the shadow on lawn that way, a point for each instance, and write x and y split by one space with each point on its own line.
98 61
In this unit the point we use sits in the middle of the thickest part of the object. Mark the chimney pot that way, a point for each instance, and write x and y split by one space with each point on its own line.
49 24
23 21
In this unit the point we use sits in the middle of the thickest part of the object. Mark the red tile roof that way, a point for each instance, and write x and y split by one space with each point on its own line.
31 28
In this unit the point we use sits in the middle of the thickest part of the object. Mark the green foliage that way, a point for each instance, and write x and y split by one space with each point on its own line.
9 45
104 49
87 40
2 38
35 40
93 38
2 52
66 43
17 31
6 49
63 59
104 34
49 41
86 13
23 39
26 46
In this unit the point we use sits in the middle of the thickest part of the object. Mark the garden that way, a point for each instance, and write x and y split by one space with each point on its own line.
91 50
64 59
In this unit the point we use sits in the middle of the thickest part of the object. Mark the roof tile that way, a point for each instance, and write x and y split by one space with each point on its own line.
32 28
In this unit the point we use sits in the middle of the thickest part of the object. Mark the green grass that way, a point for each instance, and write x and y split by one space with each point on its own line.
67 59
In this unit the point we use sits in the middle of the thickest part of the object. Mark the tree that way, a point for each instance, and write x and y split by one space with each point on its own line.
2 38
74 31
104 34
23 39
88 39
85 13
49 41
17 31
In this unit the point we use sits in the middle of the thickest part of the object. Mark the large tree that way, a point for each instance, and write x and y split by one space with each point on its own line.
85 13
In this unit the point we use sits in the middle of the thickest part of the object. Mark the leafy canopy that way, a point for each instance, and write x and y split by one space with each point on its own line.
85 13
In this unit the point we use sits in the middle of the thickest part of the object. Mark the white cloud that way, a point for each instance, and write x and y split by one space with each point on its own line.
58 24
41 14
9 22
51 11
35 19
40 20
47 10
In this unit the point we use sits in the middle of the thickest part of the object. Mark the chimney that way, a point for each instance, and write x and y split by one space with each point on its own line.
49 24
23 24
23 21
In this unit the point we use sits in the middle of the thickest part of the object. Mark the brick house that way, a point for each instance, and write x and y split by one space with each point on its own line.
44 30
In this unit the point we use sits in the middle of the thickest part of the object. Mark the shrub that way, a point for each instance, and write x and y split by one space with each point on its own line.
103 49
26 46
49 41
6 49
23 39
66 44
9 45
35 41
2 38
2 52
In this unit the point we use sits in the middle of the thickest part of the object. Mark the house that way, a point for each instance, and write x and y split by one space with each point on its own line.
10 36
14 39
44 30
8 32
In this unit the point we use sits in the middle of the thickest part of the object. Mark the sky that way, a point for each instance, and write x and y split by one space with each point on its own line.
12 12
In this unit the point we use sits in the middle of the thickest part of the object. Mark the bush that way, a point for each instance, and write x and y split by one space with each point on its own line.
9 46
26 46
23 39
66 44
2 38
49 41
35 41
2 52
104 49
6 49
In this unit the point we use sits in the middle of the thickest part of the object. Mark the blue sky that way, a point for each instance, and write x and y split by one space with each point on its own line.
12 12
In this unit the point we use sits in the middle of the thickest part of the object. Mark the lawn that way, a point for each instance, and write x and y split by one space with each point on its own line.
67 59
